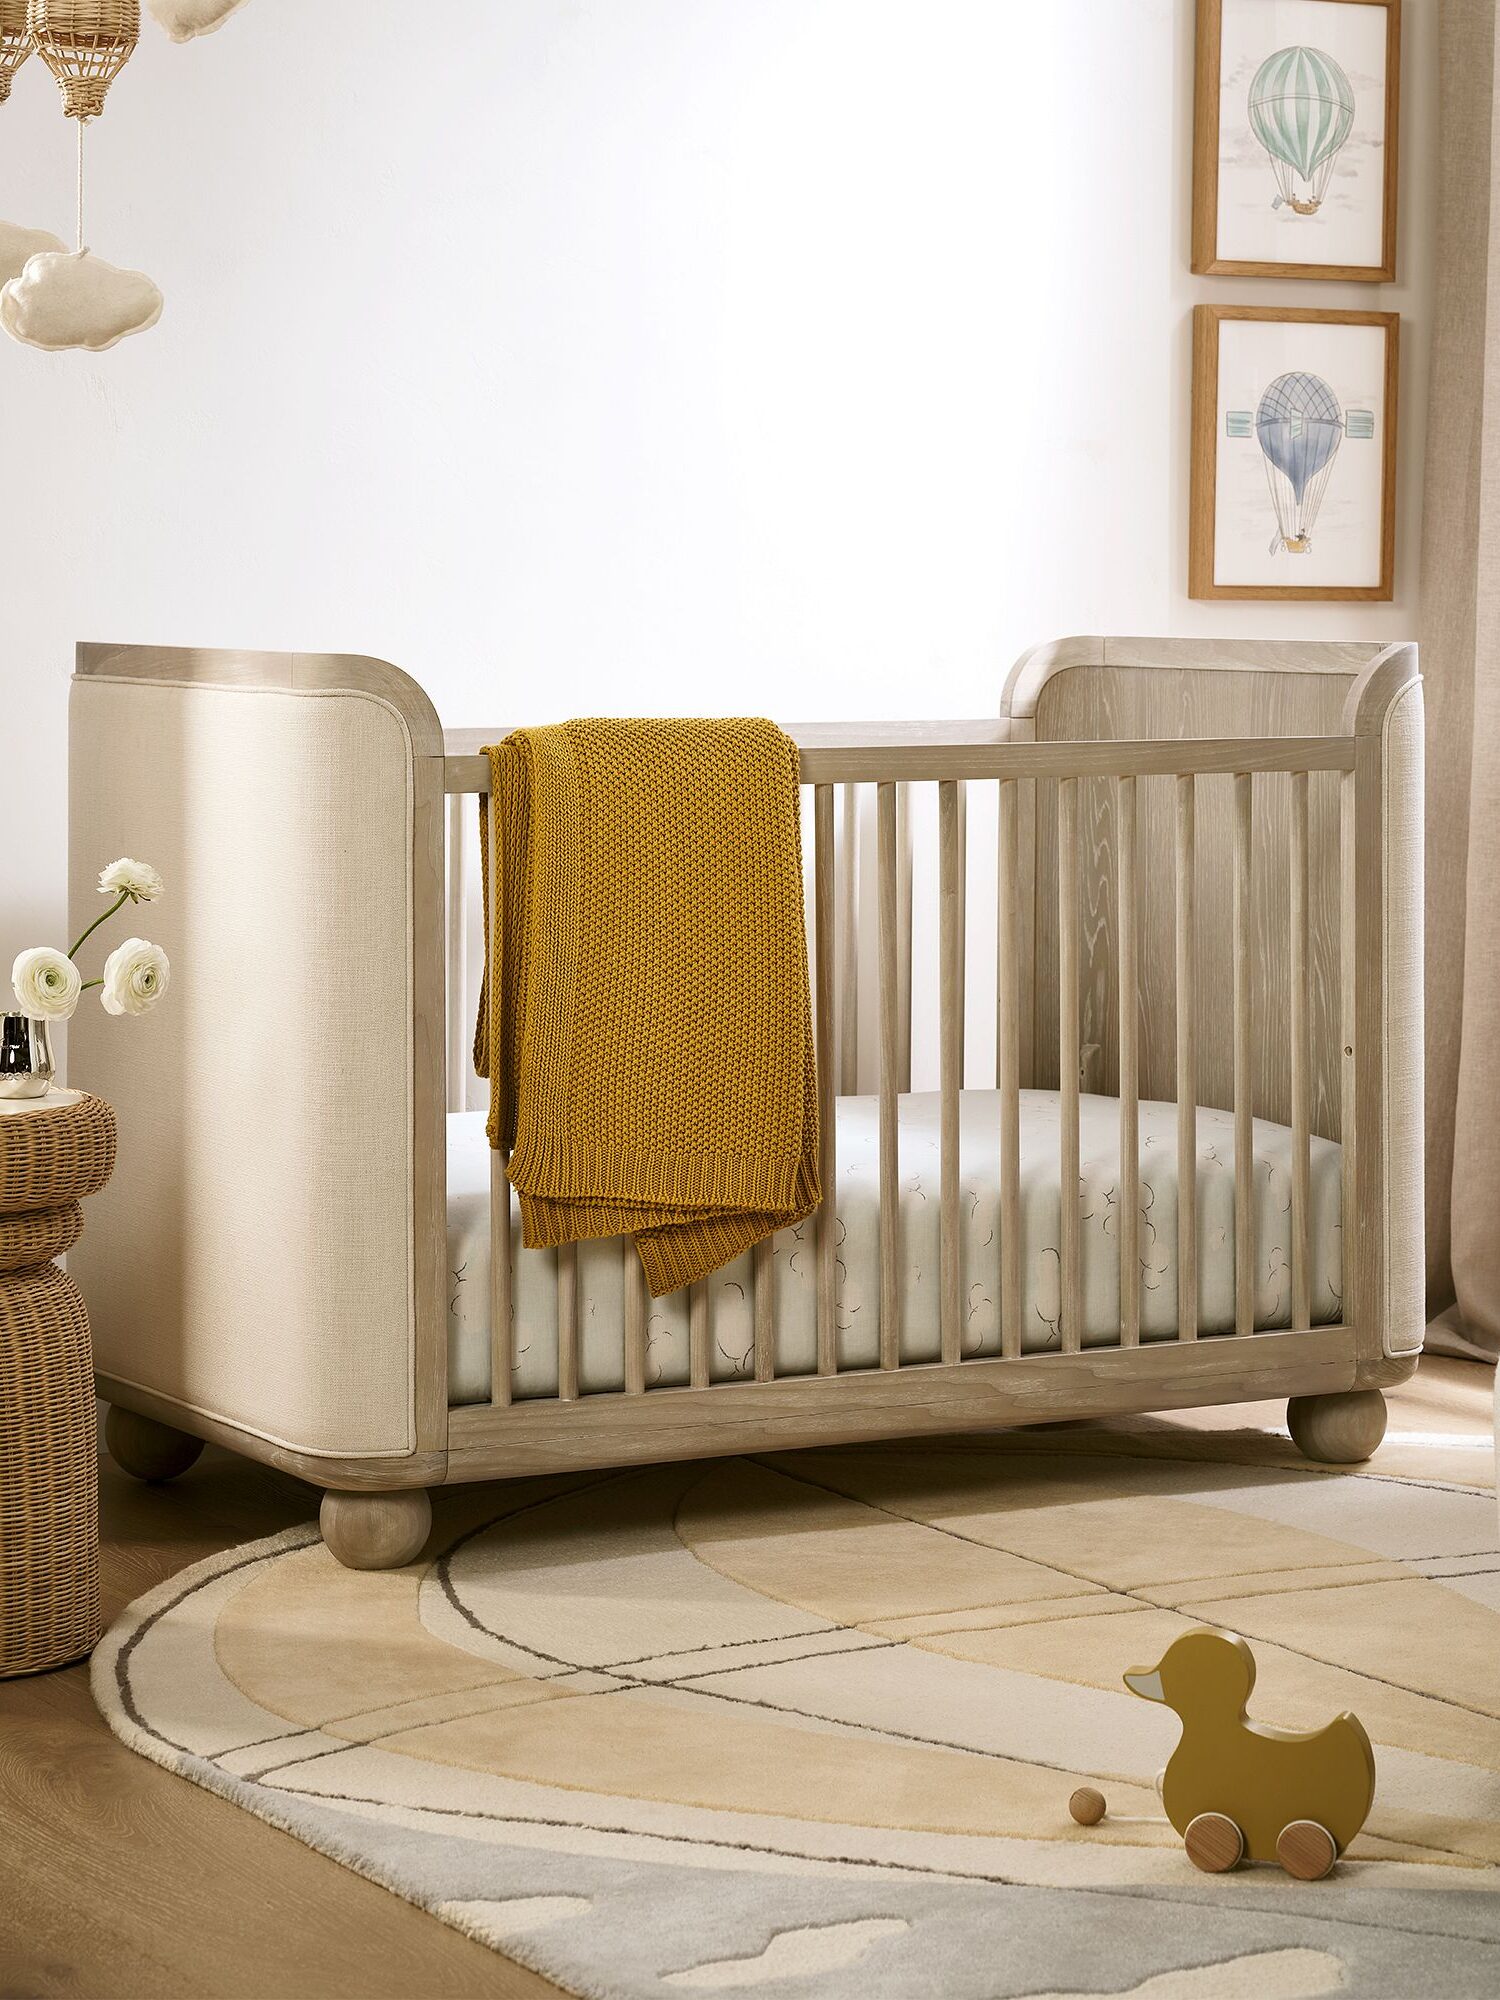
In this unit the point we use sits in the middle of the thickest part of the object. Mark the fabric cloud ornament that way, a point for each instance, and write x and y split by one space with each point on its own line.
183 19
18 244
71 298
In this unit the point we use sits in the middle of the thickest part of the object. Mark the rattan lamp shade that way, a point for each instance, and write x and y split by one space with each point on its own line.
15 42
49 1468
85 44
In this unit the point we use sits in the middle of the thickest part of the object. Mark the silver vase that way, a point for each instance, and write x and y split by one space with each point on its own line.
26 1066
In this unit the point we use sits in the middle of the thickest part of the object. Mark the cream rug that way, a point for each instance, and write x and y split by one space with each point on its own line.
807 1725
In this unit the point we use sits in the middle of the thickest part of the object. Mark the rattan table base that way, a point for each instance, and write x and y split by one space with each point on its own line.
49 1465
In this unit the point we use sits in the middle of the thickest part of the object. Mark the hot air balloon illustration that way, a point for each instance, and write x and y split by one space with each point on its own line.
1299 426
1302 111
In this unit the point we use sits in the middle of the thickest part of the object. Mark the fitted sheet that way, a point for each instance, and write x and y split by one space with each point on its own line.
601 1268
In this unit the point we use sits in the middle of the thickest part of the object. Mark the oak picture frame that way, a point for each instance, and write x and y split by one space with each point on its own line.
1206 258
1207 443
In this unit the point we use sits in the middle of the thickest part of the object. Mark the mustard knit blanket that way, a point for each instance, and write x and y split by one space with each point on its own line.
644 1021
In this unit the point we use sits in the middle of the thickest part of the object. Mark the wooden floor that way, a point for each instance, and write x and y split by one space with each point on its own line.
119 1881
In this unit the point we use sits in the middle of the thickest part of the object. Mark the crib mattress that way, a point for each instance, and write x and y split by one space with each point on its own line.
601 1277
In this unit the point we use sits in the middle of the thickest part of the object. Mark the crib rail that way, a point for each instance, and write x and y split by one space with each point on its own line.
1030 779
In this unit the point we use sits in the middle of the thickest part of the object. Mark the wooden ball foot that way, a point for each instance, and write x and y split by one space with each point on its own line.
1087 1806
1306 1850
146 1449
376 1530
1341 1429
1214 1843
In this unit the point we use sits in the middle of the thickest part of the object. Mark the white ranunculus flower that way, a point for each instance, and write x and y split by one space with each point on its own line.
46 983
137 879
135 977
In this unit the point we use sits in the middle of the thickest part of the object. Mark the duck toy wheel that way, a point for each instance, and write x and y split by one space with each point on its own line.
1238 1790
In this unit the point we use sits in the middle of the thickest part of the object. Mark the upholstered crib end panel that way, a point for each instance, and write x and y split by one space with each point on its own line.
1402 1104
253 1258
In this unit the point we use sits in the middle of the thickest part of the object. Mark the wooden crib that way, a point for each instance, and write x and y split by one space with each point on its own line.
1203 860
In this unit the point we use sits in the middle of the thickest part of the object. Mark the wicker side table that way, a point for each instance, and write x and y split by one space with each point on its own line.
53 1152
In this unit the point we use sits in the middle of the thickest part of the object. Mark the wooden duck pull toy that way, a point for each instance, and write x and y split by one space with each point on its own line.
1238 1790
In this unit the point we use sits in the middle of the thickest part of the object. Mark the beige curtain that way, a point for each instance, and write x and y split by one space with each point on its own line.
1460 640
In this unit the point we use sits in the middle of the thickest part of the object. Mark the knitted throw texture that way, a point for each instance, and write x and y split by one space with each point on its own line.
644 1020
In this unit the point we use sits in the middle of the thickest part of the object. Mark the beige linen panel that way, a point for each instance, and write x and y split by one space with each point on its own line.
1406 1283
252 1257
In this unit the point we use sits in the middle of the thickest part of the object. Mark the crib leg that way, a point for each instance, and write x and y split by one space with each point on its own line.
376 1530
1341 1429
145 1448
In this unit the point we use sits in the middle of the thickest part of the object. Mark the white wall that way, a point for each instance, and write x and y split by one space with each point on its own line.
808 356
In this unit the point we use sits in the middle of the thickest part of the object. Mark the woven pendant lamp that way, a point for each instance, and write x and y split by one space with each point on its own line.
15 42
85 44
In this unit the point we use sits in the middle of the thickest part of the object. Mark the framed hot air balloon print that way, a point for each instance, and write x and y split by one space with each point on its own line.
1294 157
1294 453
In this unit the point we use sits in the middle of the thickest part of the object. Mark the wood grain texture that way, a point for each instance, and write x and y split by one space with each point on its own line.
502 1325
125 1882
1301 1108
1070 1235
700 1338
635 1318
1206 98
890 1056
1203 497
1009 1057
1109 703
1127 864
1185 956
848 941
376 1530
1244 1056
763 1280
951 875
916 1400
1306 1850
829 1039
567 1322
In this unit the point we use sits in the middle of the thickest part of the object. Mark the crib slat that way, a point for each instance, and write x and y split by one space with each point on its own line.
903 932
1301 1066
763 1278
456 985
1070 1258
827 1216
1008 1066
848 925
501 1336
1244 1064
567 1322
698 1334
1187 1062
502 1332
890 1076
1129 1217
635 1319
951 880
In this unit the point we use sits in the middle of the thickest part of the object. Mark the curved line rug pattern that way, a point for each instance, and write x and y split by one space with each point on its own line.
806 1725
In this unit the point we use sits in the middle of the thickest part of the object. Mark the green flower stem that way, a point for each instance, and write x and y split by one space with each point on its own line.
88 983
119 903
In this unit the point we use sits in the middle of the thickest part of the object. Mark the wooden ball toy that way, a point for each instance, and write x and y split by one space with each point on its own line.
1087 1806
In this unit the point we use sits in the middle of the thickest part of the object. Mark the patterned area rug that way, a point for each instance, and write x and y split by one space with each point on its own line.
808 1725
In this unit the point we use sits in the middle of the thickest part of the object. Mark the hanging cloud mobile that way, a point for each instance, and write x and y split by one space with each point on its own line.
52 297
18 243
71 298
1299 427
183 19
